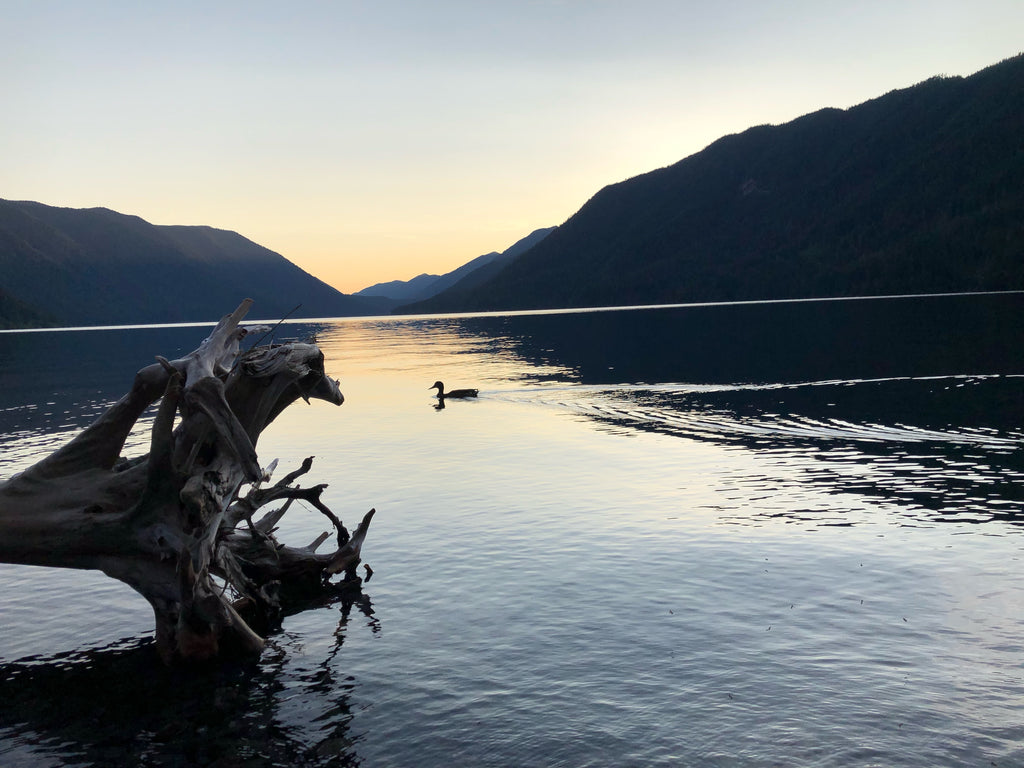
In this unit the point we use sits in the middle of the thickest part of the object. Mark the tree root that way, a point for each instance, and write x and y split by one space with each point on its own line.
170 524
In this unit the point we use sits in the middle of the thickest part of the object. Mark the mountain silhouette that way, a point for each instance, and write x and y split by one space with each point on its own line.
403 290
79 267
422 287
918 191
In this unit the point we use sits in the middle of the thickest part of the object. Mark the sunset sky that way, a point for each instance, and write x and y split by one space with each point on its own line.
373 141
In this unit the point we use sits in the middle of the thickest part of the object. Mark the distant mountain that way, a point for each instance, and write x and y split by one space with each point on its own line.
459 285
918 191
424 286
64 266
402 290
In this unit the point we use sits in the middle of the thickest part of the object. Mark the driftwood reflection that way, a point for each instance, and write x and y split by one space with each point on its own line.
120 705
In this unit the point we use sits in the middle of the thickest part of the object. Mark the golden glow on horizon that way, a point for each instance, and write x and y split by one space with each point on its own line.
368 144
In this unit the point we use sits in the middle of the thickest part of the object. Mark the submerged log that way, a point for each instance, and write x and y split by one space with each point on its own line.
177 524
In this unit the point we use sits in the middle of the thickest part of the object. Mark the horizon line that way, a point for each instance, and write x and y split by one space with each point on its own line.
509 312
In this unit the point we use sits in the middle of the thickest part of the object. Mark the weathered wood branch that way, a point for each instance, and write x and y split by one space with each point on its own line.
169 523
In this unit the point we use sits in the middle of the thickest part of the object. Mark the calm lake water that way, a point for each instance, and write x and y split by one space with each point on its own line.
734 535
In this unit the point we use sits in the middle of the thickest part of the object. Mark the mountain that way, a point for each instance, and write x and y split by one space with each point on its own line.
64 266
422 287
918 191
402 290
459 285
17 314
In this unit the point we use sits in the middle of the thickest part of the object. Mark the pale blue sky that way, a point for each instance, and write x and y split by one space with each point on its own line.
373 141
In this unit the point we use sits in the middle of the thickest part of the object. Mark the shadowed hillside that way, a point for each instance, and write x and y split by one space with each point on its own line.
918 191
64 266
462 280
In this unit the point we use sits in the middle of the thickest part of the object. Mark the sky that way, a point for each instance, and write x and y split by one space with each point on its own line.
375 140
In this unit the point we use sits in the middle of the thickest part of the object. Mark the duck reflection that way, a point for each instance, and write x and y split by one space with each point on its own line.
455 394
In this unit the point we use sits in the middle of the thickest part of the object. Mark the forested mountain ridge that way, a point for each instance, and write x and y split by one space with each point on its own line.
66 266
918 191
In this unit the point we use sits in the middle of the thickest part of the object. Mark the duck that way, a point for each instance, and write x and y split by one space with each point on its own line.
441 394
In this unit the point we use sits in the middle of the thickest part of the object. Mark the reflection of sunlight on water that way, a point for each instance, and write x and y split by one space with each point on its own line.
20 449
760 563
413 346
43 603
385 367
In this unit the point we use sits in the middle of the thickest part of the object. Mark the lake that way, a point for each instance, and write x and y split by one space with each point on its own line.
765 534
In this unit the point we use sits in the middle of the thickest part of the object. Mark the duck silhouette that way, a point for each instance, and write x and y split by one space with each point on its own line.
455 393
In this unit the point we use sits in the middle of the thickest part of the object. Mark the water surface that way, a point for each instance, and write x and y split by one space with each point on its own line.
782 534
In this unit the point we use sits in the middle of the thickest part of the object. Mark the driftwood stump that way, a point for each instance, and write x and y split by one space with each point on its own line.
175 525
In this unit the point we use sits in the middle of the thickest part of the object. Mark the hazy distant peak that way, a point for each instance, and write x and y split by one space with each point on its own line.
425 286
400 289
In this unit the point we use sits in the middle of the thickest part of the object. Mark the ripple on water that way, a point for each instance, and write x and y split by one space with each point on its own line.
576 572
